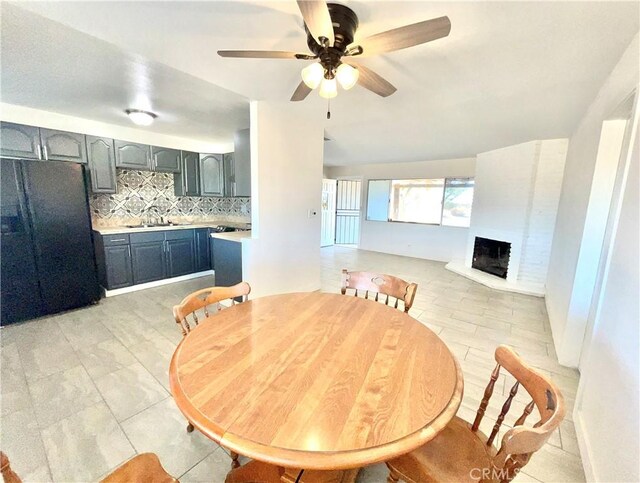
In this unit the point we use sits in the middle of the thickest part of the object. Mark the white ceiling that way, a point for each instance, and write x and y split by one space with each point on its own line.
49 66
509 72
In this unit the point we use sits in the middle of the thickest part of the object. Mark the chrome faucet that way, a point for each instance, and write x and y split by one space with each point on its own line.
150 220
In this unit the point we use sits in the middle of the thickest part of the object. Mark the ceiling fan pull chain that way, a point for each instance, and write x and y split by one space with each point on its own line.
329 108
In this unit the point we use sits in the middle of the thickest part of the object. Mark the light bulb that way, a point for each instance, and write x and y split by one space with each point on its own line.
141 118
328 88
347 76
312 75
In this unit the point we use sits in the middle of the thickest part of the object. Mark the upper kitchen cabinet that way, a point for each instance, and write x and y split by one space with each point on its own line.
18 141
229 175
63 146
211 175
132 155
242 163
102 165
165 160
187 182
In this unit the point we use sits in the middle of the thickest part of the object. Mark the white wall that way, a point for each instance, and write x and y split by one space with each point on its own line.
606 411
283 254
441 243
567 303
53 120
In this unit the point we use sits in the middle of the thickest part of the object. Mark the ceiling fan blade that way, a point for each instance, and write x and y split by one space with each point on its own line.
316 15
407 36
372 81
301 92
264 54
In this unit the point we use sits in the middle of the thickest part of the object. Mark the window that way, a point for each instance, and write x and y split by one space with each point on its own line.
458 197
437 201
416 200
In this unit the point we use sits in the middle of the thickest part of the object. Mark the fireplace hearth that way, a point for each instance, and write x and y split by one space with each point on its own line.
491 256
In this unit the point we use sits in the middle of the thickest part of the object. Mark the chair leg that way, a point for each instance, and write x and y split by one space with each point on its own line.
189 428
235 463
393 476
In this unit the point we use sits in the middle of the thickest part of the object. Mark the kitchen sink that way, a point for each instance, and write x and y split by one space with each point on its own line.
154 225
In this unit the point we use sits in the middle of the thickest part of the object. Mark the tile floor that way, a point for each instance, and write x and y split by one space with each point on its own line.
86 390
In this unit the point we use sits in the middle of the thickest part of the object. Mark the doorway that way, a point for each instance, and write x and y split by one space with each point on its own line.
348 212
328 213
604 204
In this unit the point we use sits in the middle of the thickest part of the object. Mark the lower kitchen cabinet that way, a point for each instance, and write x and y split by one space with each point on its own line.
142 257
117 260
203 251
180 254
148 261
228 261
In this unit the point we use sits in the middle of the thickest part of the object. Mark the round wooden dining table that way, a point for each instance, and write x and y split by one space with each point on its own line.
324 382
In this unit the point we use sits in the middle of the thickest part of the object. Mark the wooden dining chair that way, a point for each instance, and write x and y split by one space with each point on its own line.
143 468
205 300
8 475
379 284
462 453
209 300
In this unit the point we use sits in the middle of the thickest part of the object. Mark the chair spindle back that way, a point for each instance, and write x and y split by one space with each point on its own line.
520 442
204 299
380 284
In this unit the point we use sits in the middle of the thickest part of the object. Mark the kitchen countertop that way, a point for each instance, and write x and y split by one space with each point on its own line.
124 229
235 236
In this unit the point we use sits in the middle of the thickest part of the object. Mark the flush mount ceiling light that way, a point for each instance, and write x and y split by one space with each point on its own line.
141 118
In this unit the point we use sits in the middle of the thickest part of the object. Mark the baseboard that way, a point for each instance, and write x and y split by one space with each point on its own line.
583 445
157 283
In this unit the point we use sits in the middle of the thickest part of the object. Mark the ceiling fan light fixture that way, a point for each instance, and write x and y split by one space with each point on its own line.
328 88
141 118
347 76
312 75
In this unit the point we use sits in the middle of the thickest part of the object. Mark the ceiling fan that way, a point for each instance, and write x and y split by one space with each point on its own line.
330 31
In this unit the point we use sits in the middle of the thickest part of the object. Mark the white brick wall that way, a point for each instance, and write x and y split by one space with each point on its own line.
516 200
544 199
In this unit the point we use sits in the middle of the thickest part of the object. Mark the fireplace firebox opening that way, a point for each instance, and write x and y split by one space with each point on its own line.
491 256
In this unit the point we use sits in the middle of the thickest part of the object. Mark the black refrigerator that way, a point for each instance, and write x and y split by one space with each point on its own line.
47 261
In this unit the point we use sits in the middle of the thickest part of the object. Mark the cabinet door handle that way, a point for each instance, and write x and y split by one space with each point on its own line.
46 154
129 250
39 150
119 239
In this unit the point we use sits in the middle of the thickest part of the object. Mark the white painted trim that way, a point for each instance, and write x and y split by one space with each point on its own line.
584 446
157 283
497 283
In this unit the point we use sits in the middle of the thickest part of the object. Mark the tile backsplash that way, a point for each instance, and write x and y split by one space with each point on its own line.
143 194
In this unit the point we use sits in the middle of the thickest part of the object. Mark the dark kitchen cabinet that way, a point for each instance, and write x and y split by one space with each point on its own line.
165 160
63 146
187 182
148 261
118 271
18 141
211 175
102 165
229 175
242 163
202 249
228 262
180 256
132 155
